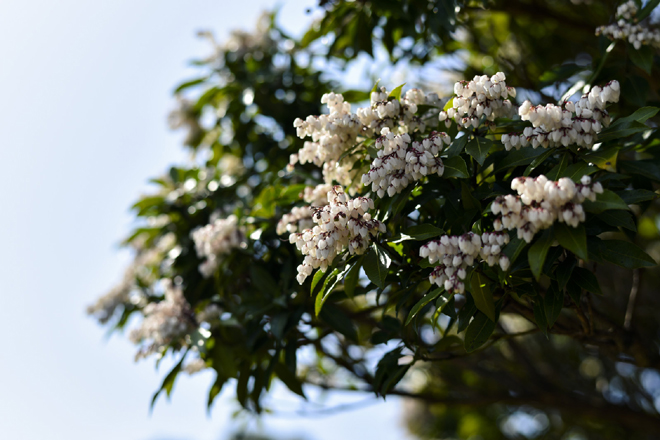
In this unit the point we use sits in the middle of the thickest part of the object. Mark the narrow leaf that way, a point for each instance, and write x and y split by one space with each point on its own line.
422 303
538 251
483 298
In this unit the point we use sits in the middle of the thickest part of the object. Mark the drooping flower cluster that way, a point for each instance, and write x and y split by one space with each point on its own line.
541 202
343 223
482 96
340 130
300 217
566 124
194 366
164 322
217 238
144 269
456 253
627 28
401 161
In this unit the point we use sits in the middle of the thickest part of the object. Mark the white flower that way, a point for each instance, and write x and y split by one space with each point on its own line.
217 238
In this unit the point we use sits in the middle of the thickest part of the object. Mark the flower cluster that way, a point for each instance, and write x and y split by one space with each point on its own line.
626 28
482 96
456 253
164 322
541 202
143 268
400 162
335 133
300 217
194 366
217 238
343 223
566 124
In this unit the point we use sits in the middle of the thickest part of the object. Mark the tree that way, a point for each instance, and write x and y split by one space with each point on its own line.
496 240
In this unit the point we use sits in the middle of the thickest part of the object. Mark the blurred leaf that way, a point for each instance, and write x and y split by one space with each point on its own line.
396 93
289 379
422 303
478 332
642 57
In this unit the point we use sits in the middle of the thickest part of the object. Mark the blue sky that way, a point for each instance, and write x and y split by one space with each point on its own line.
86 87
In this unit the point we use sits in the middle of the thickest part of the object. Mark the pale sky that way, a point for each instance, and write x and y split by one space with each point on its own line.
86 87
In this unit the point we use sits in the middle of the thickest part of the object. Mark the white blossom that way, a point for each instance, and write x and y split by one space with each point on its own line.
456 253
627 28
482 96
541 202
565 124
401 161
164 322
214 240
194 366
343 223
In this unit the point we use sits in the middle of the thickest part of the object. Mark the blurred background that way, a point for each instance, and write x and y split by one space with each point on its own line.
86 89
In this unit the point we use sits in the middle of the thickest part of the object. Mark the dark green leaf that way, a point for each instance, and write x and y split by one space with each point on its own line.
586 280
465 314
190 83
376 263
622 253
482 296
538 251
422 303
607 200
553 303
637 195
516 158
539 316
645 168
456 147
168 382
642 57
262 280
478 332
647 9
513 249
564 271
455 167
573 239
352 278
420 232
328 286
619 218
289 379
336 318
478 148
577 170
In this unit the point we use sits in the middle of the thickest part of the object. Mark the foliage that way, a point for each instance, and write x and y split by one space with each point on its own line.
564 331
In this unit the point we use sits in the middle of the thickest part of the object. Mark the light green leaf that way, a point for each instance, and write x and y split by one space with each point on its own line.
328 286
396 93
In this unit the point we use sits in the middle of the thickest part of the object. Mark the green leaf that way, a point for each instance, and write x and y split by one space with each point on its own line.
635 196
478 148
586 280
328 286
465 314
645 168
564 271
624 254
482 296
455 167
607 200
422 303
640 115
289 379
558 169
396 93
538 251
317 277
352 278
214 391
336 318
514 248
190 83
573 239
577 170
478 332
376 263
647 9
538 161
618 218
539 316
168 382
457 146
420 232
553 303
516 158
604 158
262 280
642 57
